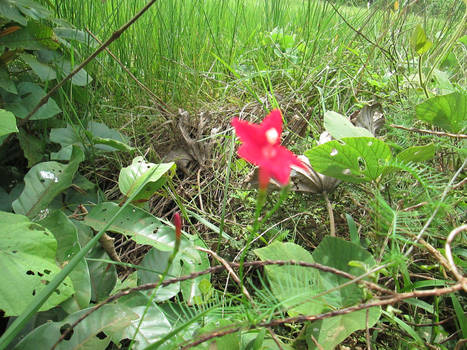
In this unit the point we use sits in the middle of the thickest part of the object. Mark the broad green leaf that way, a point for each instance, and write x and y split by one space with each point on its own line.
33 147
194 261
103 138
75 35
27 257
43 71
7 83
8 11
419 41
338 253
7 123
353 159
331 332
93 333
417 153
30 8
68 245
29 95
154 326
103 275
137 224
157 261
295 287
114 144
82 78
339 126
446 111
43 182
66 136
141 171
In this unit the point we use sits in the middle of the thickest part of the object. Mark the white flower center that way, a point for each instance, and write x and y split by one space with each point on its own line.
272 135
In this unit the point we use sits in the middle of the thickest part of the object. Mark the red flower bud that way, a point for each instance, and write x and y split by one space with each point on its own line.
178 226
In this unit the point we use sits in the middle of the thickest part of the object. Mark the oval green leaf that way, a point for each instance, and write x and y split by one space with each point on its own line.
353 159
27 257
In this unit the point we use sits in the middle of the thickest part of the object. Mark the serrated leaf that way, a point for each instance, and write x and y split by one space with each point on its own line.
140 171
7 122
43 182
43 71
110 319
446 111
353 159
66 235
29 95
135 223
339 126
417 153
419 41
27 257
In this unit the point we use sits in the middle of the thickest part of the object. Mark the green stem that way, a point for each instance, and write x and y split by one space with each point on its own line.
420 76
153 294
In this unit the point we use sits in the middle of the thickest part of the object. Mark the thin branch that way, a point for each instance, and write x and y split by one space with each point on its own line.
115 35
219 268
431 132
302 318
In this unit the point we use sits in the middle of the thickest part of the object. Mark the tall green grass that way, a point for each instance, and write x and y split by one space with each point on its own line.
204 50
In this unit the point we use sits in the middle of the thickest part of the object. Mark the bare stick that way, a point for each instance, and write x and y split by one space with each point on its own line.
424 131
115 35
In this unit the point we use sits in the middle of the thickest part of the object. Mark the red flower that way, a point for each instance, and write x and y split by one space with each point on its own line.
261 146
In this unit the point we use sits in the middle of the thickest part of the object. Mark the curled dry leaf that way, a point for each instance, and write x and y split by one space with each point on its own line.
369 117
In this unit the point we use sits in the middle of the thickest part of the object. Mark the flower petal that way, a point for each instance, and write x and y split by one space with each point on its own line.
249 133
273 120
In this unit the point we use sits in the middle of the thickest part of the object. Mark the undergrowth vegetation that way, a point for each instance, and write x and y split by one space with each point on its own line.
132 218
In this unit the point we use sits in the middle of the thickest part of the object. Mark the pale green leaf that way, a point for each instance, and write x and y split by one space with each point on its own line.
417 153
339 126
7 123
135 223
419 42
110 319
27 257
43 182
446 111
140 171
